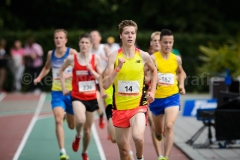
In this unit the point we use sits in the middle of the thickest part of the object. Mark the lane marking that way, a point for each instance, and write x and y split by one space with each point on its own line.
44 116
30 126
2 96
98 143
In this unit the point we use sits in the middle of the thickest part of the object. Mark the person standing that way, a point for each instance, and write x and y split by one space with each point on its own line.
125 71
17 53
170 82
86 69
33 56
3 63
60 103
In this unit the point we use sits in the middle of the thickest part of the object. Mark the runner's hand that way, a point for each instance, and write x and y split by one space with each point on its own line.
65 92
104 95
182 90
37 80
121 61
89 67
150 97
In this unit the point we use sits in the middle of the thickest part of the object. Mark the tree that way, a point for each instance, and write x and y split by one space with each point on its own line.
218 59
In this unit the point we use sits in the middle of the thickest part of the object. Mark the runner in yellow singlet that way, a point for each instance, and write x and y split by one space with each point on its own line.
125 71
107 95
170 82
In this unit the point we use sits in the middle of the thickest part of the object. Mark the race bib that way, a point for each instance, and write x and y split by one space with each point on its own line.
68 70
128 88
166 79
55 73
86 86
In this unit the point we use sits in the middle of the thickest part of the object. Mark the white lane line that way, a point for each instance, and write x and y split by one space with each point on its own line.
45 116
98 143
30 126
2 96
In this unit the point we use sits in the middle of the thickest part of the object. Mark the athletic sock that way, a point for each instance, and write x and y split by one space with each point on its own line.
131 152
63 150
160 156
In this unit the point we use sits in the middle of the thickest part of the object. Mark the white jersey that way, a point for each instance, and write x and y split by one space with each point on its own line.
100 52
114 47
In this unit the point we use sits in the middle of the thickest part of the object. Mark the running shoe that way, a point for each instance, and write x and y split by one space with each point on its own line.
75 144
160 157
101 122
164 158
159 137
108 137
63 156
85 156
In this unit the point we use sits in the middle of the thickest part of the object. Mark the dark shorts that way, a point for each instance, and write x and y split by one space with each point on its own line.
98 87
90 105
108 111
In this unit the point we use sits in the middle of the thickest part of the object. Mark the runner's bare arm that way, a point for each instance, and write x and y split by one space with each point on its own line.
153 70
181 75
45 70
102 91
66 63
107 50
73 51
153 58
98 68
110 73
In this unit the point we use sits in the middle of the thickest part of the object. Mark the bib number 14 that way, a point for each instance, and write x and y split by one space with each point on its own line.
128 88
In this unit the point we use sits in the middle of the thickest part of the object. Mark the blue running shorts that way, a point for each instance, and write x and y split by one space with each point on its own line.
59 100
159 104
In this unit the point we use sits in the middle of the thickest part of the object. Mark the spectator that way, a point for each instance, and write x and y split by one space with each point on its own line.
17 53
33 56
3 63
112 45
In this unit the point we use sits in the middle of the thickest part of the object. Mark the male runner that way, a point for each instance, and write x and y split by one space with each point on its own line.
170 82
60 103
103 51
86 70
125 71
155 45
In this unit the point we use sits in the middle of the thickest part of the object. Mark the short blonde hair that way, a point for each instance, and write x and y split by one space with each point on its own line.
155 33
61 30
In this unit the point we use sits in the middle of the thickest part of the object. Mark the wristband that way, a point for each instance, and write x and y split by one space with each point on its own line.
117 70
